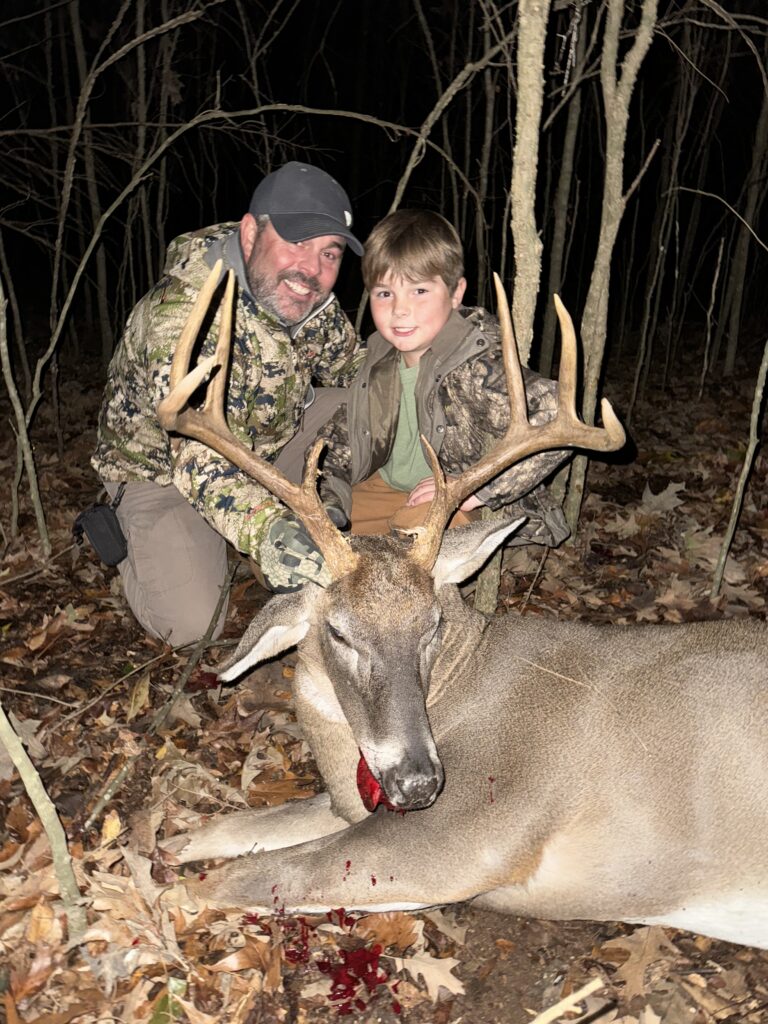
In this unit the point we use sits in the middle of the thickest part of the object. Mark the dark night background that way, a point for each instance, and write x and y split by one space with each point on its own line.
388 61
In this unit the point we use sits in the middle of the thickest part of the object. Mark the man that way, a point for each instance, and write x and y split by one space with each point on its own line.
181 505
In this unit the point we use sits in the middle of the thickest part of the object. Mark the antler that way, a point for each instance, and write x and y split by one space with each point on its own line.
522 438
209 425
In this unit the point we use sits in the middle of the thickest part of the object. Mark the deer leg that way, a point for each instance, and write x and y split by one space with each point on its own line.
252 831
385 862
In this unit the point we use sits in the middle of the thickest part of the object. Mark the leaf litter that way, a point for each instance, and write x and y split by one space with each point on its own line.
81 684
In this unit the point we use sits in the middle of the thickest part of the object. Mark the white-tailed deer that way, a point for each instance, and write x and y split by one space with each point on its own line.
551 769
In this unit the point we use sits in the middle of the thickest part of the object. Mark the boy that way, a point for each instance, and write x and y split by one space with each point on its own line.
435 368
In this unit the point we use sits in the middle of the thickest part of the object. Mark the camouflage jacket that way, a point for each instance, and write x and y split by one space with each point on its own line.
462 407
270 376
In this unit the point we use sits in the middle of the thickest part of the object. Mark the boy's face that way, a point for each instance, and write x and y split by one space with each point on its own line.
410 314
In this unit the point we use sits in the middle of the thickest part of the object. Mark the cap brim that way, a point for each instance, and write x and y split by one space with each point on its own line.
298 227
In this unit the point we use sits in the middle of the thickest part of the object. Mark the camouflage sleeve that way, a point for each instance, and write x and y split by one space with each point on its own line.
234 505
335 480
337 345
521 479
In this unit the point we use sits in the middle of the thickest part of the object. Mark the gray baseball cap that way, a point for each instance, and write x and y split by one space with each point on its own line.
304 202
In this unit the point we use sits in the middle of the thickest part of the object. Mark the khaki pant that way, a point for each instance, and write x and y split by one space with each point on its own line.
379 508
176 562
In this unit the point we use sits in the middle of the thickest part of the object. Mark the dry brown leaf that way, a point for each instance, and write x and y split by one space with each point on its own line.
256 954
111 827
139 697
272 792
43 926
636 954
26 981
11 1015
392 929
448 925
665 501
435 972
184 711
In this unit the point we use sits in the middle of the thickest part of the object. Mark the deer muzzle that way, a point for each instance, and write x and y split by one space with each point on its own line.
411 786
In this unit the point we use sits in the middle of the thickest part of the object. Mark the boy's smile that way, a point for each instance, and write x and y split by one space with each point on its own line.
410 314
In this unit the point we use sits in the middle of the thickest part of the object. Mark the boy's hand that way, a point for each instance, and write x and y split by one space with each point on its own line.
425 491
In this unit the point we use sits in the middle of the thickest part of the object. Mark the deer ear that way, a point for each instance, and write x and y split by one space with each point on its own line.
464 549
281 624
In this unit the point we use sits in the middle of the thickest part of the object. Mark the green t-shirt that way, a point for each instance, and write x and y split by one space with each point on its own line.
407 464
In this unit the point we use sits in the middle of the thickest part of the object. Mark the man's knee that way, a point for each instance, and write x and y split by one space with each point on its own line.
176 564
186 625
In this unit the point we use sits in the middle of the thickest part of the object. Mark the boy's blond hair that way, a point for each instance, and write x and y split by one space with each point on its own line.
415 245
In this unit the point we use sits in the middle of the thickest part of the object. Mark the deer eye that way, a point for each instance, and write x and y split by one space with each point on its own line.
337 635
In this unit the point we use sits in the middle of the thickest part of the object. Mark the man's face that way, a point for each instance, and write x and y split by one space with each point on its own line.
289 279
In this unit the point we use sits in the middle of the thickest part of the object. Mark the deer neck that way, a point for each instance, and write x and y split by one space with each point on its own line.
463 629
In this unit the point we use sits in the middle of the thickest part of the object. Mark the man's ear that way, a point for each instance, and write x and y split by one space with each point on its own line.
458 293
249 229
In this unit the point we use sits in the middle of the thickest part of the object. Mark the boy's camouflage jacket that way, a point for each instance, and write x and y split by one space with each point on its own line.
269 380
463 408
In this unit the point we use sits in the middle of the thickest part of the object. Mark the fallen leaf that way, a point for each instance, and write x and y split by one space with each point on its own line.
637 952
139 697
390 929
436 973
665 501
111 827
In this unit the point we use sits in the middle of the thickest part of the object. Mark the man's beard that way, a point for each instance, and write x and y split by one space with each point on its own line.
266 292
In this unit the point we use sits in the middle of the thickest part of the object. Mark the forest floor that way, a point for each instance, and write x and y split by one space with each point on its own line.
82 684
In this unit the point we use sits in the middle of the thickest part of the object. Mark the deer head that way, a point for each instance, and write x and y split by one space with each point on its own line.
369 641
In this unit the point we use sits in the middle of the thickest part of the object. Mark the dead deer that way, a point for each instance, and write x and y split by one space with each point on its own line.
549 769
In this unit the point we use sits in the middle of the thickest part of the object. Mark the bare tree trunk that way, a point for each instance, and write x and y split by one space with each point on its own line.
738 267
22 433
481 227
105 326
684 97
18 326
746 469
617 93
439 89
561 206
533 15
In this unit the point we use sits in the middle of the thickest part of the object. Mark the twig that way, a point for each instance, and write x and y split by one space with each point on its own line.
535 579
82 708
746 469
134 671
737 215
62 862
160 718
568 1002
37 696
39 569
710 307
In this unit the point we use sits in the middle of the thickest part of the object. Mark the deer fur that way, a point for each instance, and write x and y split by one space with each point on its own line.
552 769
607 773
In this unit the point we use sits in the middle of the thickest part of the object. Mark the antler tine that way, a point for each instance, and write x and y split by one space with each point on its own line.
522 438
608 438
209 426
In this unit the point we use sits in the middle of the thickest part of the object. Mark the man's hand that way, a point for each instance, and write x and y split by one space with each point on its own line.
288 556
425 491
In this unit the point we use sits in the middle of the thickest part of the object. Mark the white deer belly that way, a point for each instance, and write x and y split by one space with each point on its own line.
734 917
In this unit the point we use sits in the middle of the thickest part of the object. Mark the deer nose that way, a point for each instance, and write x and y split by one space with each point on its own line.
414 790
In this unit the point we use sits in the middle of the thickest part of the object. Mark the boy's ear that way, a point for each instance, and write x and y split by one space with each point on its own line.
458 294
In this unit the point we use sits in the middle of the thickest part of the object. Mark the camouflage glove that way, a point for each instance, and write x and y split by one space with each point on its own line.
288 556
